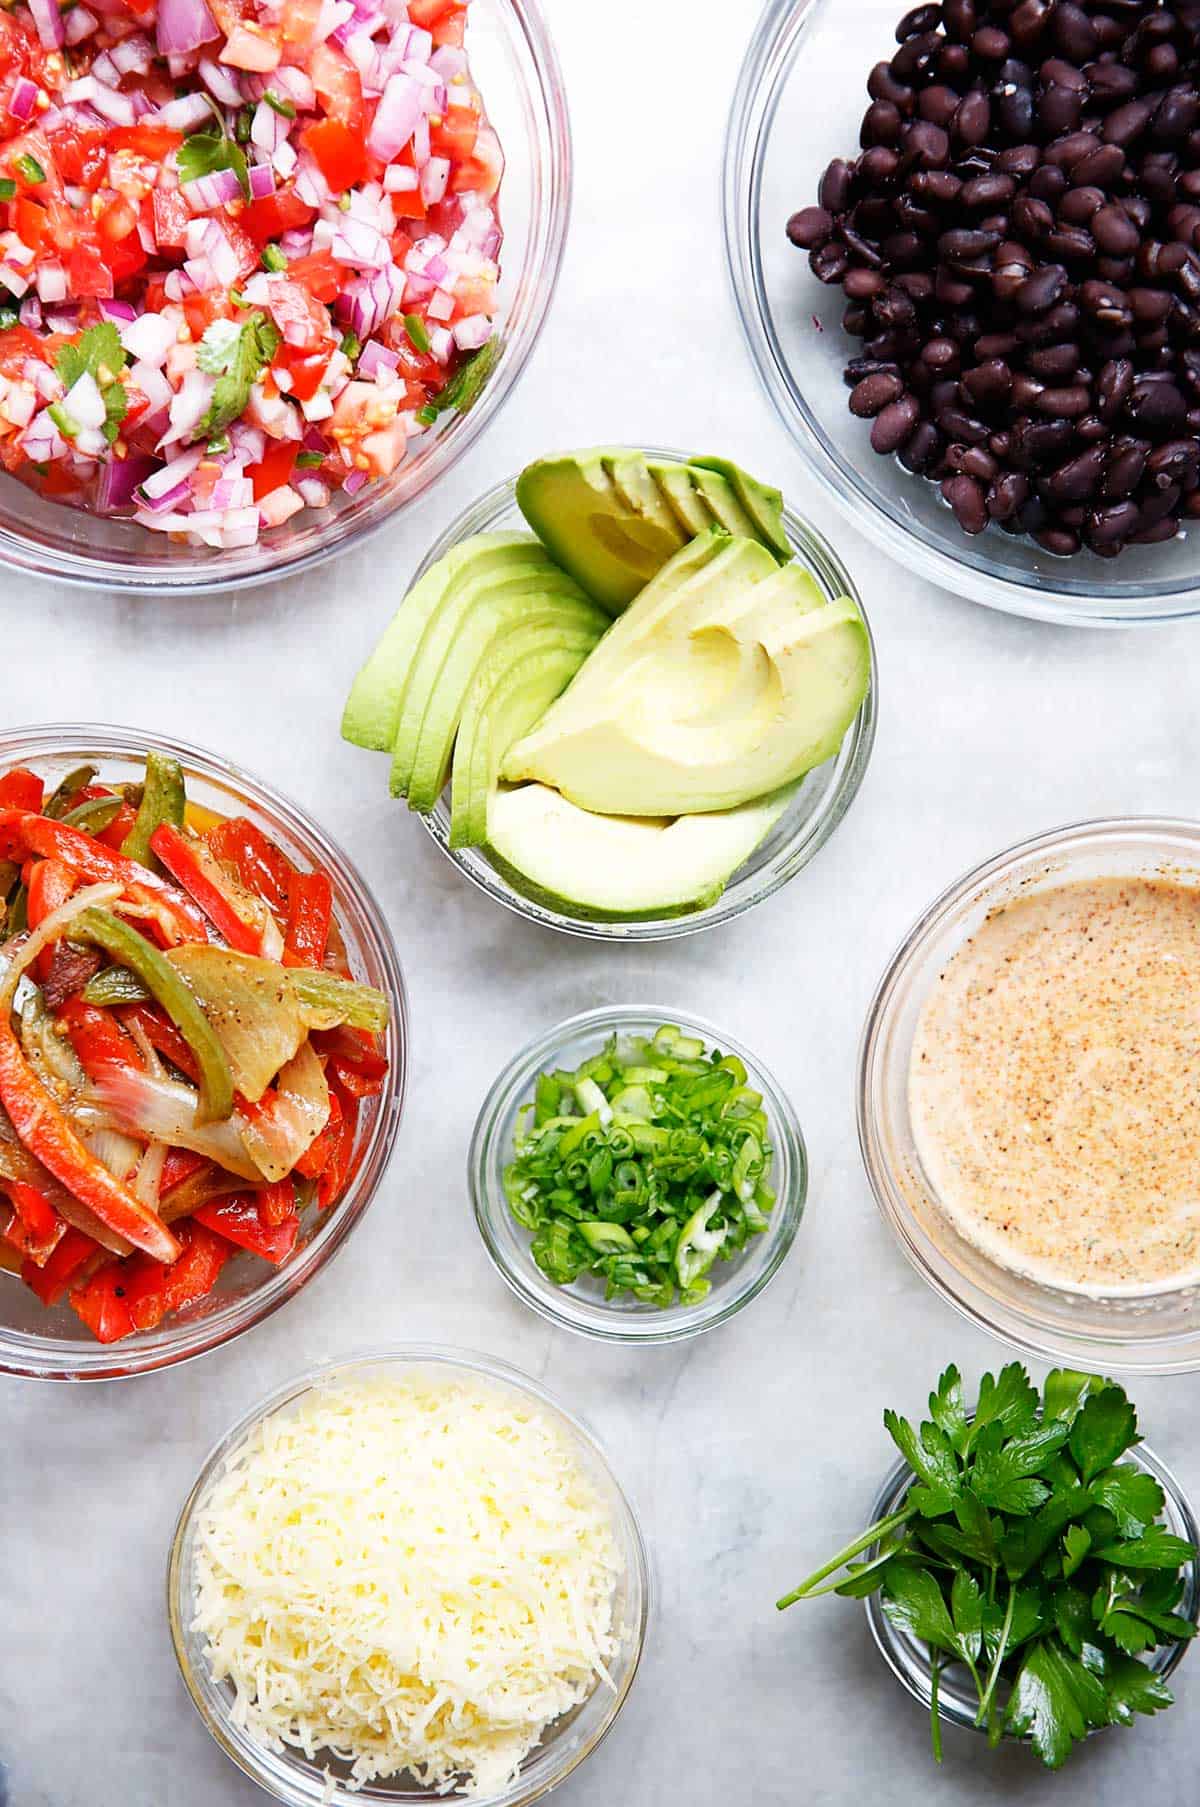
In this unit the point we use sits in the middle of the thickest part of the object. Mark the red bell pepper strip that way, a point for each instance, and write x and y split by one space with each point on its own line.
162 1034
278 1201
48 886
310 906
51 1281
152 1292
97 863
179 1165
352 1058
115 834
260 866
103 1304
49 1137
184 860
34 1209
98 1039
21 789
242 1219
328 1159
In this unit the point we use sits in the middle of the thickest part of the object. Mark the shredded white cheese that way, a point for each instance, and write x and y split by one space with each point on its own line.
409 1574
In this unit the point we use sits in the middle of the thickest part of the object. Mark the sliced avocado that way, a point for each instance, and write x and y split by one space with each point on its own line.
471 616
576 509
372 712
761 501
638 491
515 683
675 483
710 708
612 867
721 499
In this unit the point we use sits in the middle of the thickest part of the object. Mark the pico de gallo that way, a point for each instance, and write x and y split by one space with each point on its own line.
183 1052
248 250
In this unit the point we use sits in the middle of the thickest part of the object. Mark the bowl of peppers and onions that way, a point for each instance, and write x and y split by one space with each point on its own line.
201 1052
637 1175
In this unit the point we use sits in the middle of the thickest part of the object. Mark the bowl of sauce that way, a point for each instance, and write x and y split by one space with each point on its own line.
1029 1098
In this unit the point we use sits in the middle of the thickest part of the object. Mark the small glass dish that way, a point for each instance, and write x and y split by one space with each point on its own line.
799 102
802 831
908 1658
300 1782
583 1306
52 1344
1152 1332
516 69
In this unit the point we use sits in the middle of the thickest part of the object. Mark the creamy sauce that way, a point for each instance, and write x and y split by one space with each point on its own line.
1054 1086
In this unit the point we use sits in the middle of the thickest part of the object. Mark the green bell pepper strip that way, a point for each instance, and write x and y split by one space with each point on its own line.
94 816
122 942
57 805
164 799
359 1006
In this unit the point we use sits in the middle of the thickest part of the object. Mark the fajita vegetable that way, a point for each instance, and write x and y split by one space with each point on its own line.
182 1057
643 1166
1027 1552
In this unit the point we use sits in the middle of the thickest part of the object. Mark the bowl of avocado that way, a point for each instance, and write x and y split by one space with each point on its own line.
630 692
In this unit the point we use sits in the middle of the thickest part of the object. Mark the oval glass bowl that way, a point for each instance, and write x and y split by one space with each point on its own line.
516 69
799 102
301 1782
583 1307
908 1658
53 1344
1152 1333
801 832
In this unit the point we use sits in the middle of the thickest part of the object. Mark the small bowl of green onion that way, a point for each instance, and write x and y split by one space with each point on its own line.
637 1175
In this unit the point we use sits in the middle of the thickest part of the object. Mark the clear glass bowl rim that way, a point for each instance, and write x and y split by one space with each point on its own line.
906 1658
774 44
1148 1355
593 1318
401 1355
198 573
789 859
51 1359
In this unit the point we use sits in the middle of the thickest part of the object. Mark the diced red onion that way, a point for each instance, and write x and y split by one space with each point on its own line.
105 70
268 129
214 190
23 98
449 61
421 146
311 185
284 160
249 442
354 482
400 178
295 85
436 269
41 441
376 357
296 242
183 25
182 114
172 474
262 181
400 108
118 310
79 24
19 405
52 283
153 384
232 492
48 20
141 103
119 478
31 312
360 246
220 83
148 339
84 402
434 179
15 281
332 14
472 331
188 405
315 441
440 306
132 56
169 500
313 492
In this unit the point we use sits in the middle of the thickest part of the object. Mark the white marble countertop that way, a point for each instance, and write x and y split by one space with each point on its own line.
748 1450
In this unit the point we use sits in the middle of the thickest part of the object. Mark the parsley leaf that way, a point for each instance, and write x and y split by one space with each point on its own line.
236 354
947 1410
1156 1548
913 1602
1002 1471
1010 1400
1055 1700
206 152
1133 1688
1104 1430
1134 1498
1076 1544
932 1458
1064 1393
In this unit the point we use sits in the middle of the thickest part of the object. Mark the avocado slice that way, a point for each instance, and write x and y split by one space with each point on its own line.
372 712
712 707
675 484
515 683
577 511
761 501
608 868
457 638
640 493
721 499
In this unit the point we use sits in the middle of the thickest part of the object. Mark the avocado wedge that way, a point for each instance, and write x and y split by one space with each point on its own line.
760 501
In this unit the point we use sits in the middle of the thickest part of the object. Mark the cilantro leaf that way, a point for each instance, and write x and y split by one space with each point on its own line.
931 1457
913 1602
1010 1400
206 152
99 348
1134 1498
1105 1428
947 1410
236 355
1054 1701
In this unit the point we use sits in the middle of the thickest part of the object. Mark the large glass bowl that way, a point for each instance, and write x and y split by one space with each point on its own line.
583 1306
1151 1332
819 806
799 102
53 1344
908 1658
291 1777
515 65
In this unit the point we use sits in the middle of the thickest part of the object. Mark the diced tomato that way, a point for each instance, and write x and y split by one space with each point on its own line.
242 1219
202 309
338 84
125 259
259 864
274 215
31 221
318 273
51 1280
300 20
427 13
88 276
21 789
306 371
297 313
455 133
170 218
275 468
341 153
153 141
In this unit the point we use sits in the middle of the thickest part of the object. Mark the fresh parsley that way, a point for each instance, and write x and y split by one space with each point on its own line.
236 354
206 152
98 353
1029 1554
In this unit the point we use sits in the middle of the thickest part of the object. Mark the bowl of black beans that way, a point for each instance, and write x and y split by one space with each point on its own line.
965 247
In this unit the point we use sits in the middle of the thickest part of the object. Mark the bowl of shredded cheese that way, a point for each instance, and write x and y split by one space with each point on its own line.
404 1575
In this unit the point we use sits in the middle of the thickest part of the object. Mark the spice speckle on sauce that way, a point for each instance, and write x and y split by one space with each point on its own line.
1055 1086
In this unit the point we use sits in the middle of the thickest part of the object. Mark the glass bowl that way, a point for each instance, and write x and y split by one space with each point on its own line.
514 62
583 1307
1152 1332
778 144
819 806
53 1344
908 1658
288 1775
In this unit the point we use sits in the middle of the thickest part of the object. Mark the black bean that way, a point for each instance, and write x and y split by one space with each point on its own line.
920 19
1157 408
991 44
894 425
988 191
830 263
1079 205
882 85
1038 443
920 451
1042 289
1107 304
1126 123
977 462
988 384
1065 404
1178 461
874 393
1151 536
858 368
1008 493
1124 468
1059 109
1071 243
938 103
1101 166
1053 363
811 227
926 145
1115 523
837 186
1062 541
1014 110
966 498
1077 479
1111 83
1032 218
1074 32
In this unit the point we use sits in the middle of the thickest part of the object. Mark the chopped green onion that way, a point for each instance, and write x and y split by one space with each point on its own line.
29 169
414 326
279 103
273 258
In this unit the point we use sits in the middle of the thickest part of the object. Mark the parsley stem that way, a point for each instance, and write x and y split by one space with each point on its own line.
935 1718
879 1530
987 1698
